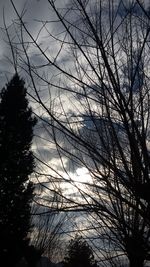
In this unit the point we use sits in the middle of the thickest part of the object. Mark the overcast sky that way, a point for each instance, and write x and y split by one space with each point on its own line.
35 9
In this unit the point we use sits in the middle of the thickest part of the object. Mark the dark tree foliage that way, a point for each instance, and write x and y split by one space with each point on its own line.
79 254
16 165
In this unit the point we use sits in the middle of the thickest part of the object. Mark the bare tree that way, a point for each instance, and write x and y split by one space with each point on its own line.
47 236
91 87
48 233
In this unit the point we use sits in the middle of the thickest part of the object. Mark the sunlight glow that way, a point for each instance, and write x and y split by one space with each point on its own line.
82 175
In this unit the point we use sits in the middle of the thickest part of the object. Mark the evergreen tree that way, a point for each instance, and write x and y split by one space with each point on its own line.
16 165
79 254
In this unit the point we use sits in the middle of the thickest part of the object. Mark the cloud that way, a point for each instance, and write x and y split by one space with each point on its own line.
38 11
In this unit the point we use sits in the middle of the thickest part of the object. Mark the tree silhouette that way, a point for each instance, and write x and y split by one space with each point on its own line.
105 126
16 165
79 254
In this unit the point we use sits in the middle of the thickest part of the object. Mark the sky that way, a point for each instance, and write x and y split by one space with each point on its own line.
38 10
34 10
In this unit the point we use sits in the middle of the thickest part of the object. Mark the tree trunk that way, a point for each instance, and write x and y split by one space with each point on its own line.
136 262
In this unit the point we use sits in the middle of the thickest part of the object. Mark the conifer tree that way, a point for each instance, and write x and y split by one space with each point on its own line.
79 254
16 165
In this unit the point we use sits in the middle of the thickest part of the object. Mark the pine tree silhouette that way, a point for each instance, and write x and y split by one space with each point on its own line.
16 165
79 254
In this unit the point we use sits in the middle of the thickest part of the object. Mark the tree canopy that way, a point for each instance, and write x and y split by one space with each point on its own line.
79 253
